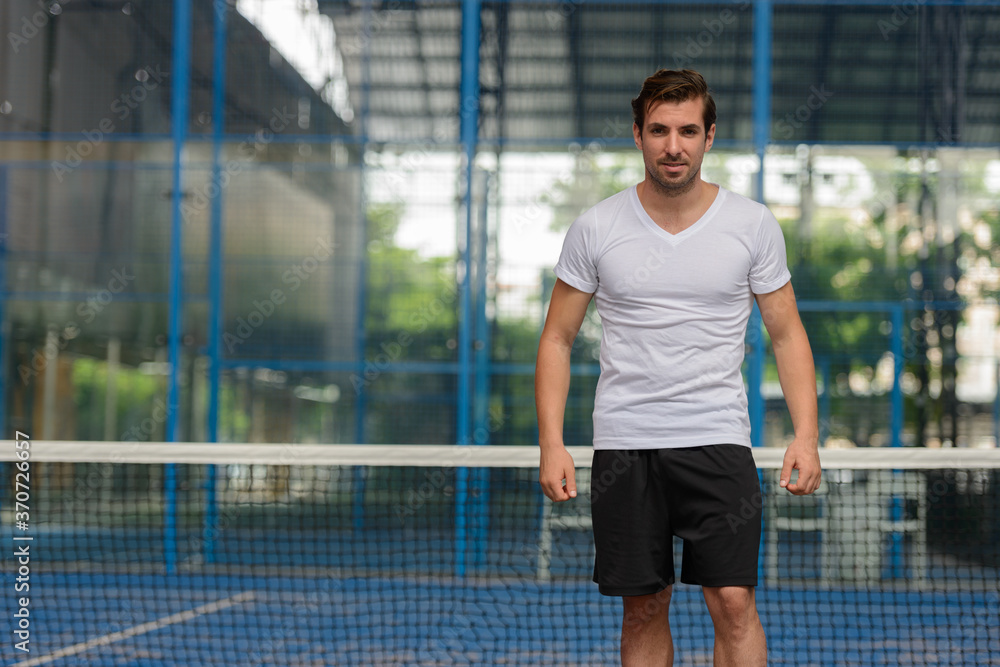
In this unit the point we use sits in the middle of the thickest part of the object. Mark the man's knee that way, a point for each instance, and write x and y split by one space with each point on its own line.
734 605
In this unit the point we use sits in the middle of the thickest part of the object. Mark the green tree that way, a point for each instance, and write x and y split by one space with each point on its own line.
588 183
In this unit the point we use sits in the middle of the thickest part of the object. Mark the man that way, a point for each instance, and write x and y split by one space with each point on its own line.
674 264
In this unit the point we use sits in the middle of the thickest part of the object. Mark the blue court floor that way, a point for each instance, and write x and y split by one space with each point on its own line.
172 621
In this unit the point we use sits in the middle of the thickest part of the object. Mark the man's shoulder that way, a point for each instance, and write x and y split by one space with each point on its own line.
738 201
745 214
605 212
613 204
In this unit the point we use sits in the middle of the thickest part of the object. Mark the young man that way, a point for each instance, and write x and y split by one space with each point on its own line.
674 264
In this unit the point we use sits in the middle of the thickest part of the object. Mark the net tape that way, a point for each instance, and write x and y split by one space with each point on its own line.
492 456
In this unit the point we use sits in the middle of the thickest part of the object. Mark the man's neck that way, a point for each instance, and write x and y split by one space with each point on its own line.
676 212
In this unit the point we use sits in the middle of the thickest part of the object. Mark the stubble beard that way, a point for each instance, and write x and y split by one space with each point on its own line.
672 188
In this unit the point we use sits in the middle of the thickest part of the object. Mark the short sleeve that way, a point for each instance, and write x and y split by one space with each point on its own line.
769 270
577 265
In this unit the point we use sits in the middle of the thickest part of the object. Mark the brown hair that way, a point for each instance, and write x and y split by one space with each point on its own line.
673 86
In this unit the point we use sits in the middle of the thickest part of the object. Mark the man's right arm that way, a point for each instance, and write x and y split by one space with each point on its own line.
567 309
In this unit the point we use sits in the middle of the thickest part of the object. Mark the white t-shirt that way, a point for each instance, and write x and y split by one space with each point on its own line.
674 310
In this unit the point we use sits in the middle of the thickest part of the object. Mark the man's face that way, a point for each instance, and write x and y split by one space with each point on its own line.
673 144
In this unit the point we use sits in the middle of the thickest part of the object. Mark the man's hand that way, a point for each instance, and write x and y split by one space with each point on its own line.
557 474
801 455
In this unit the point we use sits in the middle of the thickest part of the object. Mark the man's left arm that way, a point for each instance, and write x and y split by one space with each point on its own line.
797 375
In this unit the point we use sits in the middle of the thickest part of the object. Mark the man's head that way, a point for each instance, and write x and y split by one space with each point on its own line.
674 128
673 86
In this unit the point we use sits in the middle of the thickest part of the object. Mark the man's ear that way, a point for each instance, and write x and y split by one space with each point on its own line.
709 138
637 136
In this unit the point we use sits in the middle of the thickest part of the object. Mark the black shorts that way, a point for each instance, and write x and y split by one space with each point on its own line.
708 496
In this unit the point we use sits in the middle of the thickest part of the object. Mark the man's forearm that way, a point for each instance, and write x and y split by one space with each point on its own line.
797 375
552 374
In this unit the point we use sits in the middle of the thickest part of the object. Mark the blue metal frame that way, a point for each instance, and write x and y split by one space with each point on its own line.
180 93
217 254
482 420
761 134
469 136
358 482
469 131
762 20
762 16
360 330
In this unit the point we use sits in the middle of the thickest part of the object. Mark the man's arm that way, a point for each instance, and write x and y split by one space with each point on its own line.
567 309
798 382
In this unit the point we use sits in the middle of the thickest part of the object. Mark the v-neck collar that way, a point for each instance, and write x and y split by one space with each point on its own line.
674 239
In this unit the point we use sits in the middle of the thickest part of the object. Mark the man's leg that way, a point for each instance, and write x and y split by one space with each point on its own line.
646 640
739 635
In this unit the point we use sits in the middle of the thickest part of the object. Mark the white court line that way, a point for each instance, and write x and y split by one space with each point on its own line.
209 608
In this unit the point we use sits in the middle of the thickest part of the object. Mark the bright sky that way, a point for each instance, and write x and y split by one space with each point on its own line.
306 39
426 185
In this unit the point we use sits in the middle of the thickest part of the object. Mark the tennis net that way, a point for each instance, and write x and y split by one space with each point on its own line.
162 554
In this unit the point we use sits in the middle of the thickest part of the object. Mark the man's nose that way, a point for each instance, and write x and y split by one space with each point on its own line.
673 146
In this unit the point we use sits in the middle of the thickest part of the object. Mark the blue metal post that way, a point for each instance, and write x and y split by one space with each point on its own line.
216 254
761 137
469 110
482 420
358 480
761 86
180 94
896 566
360 334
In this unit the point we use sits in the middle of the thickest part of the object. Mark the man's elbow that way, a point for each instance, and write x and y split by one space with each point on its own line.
793 335
557 341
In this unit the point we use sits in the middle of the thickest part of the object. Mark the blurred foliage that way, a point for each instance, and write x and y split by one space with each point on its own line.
410 312
136 397
591 180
